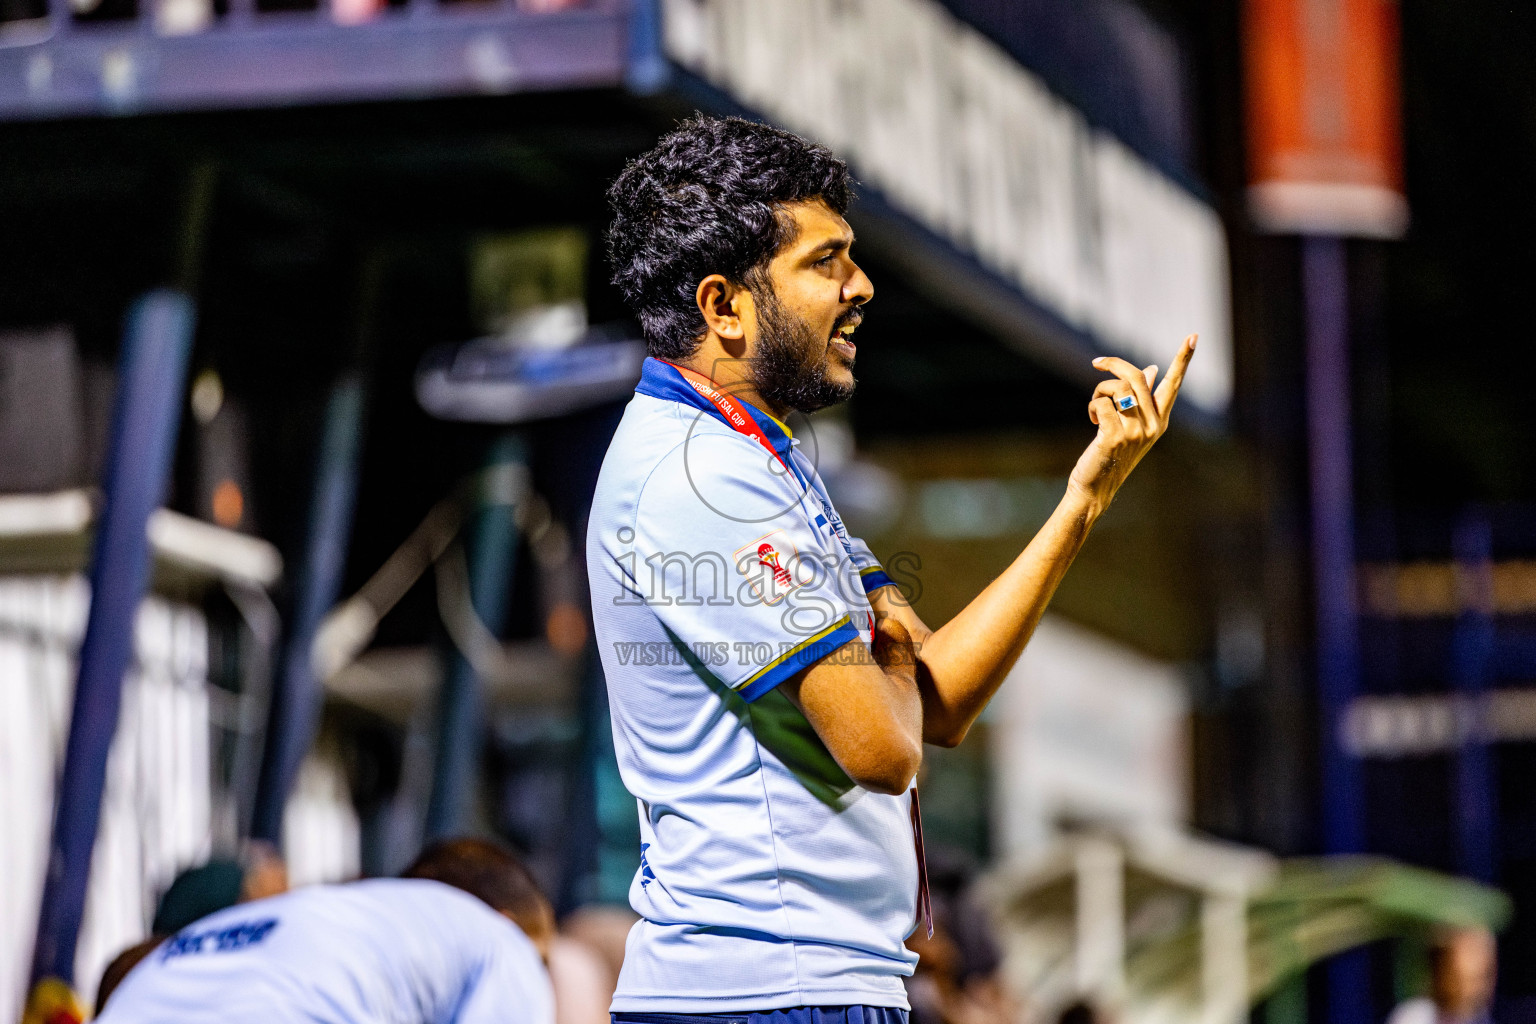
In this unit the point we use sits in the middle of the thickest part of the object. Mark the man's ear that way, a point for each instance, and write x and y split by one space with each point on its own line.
723 305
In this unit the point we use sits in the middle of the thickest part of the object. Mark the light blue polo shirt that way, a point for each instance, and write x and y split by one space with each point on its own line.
384 951
768 879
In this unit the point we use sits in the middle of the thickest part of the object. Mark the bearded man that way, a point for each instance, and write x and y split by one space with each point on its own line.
771 692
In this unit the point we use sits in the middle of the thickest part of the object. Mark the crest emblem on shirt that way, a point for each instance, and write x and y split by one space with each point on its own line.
768 563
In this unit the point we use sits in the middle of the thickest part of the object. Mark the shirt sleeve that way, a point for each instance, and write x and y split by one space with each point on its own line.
725 555
872 575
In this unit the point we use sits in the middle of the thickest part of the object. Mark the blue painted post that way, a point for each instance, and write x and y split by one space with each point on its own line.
297 698
1330 440
647 70
1471 667
145 417
1333 542
491 554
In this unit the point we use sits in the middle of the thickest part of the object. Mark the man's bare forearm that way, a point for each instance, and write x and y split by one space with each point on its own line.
870 717
965 661
961 665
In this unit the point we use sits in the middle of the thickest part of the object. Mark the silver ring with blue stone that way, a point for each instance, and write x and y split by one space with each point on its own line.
1126 403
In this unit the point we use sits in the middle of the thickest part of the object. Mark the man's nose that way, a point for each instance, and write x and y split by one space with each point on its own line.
858 289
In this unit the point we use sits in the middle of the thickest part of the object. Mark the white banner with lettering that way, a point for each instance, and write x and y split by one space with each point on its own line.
961 137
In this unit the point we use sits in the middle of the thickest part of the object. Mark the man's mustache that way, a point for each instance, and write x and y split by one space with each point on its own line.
853 318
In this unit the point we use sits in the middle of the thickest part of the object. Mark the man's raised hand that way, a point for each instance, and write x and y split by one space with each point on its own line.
1126 431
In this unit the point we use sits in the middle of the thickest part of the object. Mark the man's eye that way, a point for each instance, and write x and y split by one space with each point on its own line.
828 258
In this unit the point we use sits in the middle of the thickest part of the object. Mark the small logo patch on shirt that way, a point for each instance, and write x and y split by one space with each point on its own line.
217 940
768 563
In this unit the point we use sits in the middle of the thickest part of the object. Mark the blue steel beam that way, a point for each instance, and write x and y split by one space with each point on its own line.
491 554
297 697
53 69
1330 442
1474 796
649 70
145 418
1330 460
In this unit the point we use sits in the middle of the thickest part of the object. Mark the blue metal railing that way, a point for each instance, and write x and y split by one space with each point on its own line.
63 66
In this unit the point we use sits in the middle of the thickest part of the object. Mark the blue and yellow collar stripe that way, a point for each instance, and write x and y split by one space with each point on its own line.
659 380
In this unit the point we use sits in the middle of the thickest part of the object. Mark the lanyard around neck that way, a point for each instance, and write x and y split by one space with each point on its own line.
732 410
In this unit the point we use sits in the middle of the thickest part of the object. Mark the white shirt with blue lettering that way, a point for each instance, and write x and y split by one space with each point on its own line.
383 951
768 879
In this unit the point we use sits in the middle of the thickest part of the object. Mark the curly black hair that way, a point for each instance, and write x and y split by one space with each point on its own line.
709 199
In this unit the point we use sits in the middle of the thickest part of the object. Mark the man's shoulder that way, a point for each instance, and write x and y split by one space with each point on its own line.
463 930
408 896
356 904
651 430
671 459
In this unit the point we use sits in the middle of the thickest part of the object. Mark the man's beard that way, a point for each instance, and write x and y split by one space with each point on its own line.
789 368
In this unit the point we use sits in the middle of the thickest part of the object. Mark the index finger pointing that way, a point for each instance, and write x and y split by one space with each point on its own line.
1169 389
